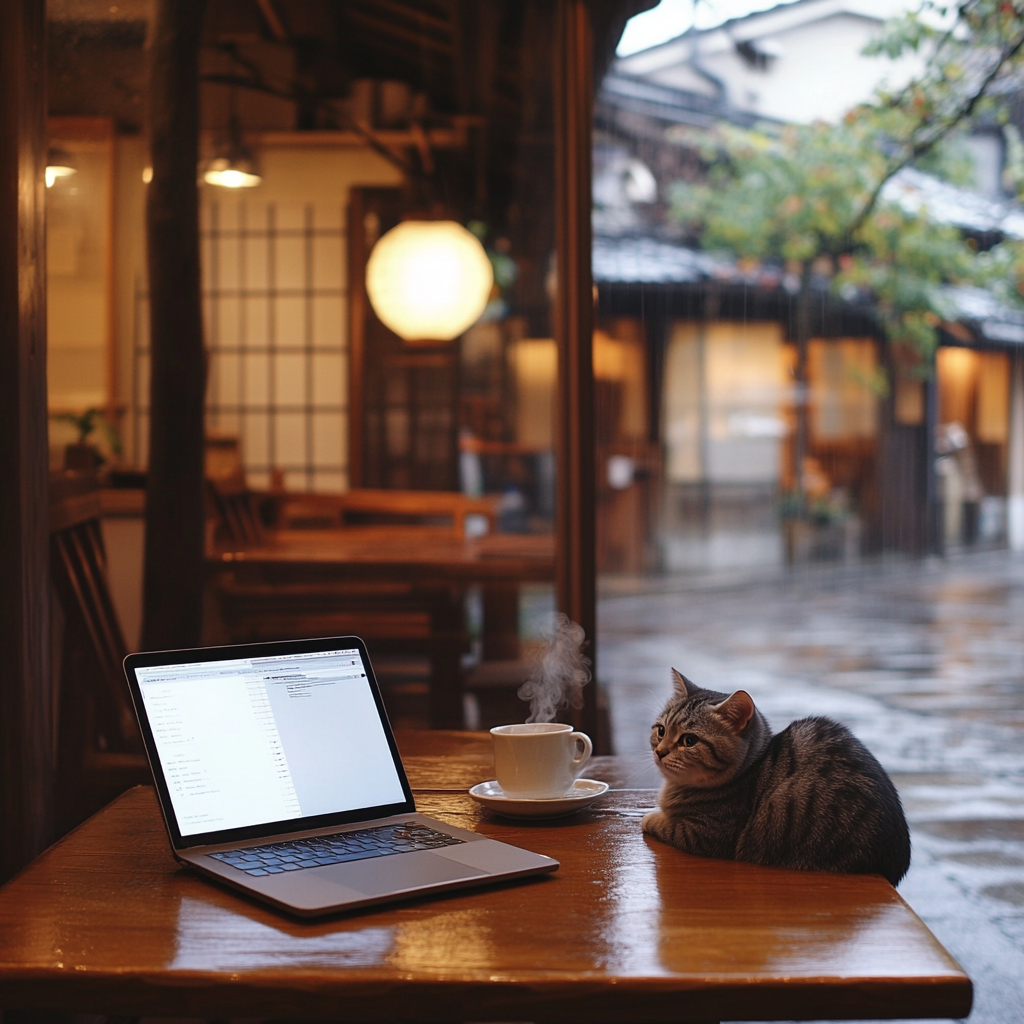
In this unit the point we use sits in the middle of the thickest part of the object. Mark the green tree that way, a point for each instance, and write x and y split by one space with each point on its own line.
813 196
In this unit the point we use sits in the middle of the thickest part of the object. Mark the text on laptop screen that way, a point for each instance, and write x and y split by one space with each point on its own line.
254 740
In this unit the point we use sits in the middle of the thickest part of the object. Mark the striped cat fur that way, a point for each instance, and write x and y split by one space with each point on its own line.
811 797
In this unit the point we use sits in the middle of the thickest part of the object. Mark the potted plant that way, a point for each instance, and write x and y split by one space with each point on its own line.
83 455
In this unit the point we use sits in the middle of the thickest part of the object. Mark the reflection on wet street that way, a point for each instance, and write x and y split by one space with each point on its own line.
924 661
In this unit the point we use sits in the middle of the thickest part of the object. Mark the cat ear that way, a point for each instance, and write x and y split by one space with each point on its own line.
681 684
737 710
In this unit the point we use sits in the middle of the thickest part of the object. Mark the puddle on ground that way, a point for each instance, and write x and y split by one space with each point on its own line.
1009 892
977 828
936 779
984 858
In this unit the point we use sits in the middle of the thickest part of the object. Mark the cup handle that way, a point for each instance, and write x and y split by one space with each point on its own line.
584 748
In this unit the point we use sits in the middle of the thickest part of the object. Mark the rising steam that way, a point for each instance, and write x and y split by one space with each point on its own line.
558 680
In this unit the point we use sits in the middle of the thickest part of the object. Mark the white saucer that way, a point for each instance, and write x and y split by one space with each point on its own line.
581 793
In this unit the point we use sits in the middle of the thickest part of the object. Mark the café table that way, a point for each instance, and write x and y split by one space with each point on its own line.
433 564
627 929
401 553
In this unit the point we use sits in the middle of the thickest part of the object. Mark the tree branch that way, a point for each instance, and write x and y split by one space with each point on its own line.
927 143
896 101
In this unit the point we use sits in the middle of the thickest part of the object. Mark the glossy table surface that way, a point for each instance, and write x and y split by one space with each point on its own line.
627 929
397 552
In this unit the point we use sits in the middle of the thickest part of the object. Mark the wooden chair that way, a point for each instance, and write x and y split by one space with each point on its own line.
234 513
98 751
233 510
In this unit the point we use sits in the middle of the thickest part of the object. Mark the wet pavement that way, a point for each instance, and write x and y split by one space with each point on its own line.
924 661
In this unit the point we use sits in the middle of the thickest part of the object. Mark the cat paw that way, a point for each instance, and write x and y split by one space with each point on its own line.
650 821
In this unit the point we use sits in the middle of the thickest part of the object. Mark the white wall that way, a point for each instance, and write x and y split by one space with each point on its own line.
818 74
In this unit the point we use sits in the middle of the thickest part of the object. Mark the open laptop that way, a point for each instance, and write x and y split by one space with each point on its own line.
278 774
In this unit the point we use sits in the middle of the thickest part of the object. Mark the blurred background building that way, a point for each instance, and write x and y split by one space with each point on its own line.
720 332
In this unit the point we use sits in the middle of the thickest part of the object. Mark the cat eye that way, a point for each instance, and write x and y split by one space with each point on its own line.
660 730
689 740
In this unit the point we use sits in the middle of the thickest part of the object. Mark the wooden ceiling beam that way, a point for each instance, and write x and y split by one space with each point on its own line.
391 138
392 31
422 18
274 23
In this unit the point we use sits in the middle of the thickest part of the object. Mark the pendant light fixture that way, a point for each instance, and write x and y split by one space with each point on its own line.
428 281
234 165
59 164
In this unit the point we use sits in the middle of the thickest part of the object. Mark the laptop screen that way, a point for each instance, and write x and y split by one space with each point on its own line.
247 741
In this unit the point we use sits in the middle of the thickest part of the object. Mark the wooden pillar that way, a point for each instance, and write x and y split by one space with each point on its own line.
26 705
1015 456
173 564
930 540
574 310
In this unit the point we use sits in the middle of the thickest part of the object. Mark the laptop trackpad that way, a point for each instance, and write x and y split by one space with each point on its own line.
389 874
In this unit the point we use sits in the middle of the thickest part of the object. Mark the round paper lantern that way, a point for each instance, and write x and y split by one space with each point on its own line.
428 280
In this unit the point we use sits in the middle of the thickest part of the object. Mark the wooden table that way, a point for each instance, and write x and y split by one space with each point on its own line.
402 553
435 564
627 929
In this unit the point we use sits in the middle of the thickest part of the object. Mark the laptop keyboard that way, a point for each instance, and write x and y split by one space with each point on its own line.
296 854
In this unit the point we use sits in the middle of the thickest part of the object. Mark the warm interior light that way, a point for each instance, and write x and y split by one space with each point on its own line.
234 166
55 171
428 280
59 164
229 173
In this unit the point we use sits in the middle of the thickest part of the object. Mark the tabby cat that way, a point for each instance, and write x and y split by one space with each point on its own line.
812 797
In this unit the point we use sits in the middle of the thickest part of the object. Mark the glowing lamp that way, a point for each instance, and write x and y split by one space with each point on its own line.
234 166
228 173
428 280
59 164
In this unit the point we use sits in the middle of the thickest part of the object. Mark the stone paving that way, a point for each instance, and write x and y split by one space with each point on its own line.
924 661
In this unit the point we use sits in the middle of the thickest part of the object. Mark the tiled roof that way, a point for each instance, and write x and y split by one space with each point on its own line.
993 320
648 261
916 192
651 261
629 259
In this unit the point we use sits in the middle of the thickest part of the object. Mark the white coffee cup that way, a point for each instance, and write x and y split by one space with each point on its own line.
539 760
